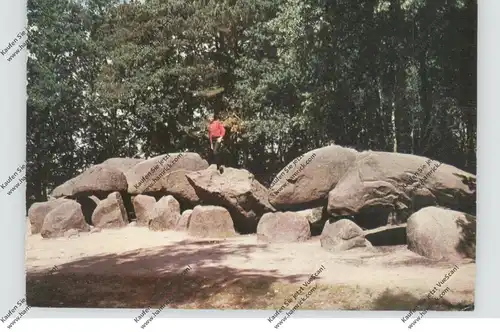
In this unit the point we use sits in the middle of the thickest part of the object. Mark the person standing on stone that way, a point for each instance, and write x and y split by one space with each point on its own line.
216 132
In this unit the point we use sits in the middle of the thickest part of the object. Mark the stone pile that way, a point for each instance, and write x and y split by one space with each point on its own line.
351 199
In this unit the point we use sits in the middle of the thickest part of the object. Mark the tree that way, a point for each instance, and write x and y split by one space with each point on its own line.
137 78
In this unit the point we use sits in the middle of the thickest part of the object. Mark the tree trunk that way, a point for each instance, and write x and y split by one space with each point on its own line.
425 92
394 129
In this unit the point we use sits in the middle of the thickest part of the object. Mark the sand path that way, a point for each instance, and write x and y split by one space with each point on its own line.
138 251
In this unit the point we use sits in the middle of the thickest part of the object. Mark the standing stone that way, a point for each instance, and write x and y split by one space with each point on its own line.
165 214
110 213
64 217
283 227
143 205
38 211
211 221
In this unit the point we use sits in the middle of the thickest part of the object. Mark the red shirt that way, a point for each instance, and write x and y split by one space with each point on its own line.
216 129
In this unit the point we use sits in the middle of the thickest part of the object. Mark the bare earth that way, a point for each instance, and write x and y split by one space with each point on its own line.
135 267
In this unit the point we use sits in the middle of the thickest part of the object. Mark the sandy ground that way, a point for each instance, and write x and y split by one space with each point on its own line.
138 251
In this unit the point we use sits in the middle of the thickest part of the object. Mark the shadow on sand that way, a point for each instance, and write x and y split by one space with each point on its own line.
392 300
137 280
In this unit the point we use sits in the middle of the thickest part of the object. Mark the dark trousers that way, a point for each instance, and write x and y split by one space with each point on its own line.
216 153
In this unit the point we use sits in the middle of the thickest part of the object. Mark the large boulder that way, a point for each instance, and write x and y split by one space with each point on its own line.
63 218
63 190
102 179
342 235
395 183
38 211
99 180
143 205
211 221
165 214
176 184
283 227
309 178
110 213
123 164
439 233
235 189
144 177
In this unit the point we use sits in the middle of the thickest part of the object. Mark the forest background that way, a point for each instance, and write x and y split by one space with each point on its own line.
110 78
